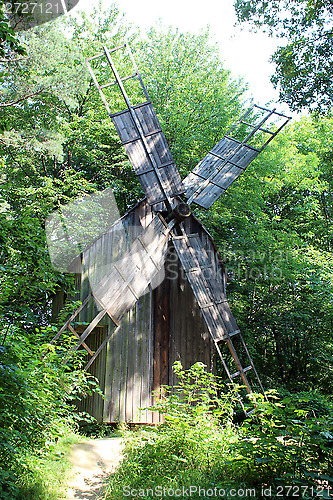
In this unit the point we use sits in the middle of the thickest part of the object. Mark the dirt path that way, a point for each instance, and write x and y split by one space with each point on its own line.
92 463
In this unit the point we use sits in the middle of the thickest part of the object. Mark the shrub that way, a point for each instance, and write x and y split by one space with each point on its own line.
188 448
36 409
287 441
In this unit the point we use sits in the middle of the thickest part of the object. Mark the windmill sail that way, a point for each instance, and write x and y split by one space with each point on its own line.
207 289
226 161
126 281
147 150
213 304
141 134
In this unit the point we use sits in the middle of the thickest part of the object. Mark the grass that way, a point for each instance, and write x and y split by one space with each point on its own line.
46 474
163 458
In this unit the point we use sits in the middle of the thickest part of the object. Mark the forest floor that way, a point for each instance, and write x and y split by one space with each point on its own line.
93 461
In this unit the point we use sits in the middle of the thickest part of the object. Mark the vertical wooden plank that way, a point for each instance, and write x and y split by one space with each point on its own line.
116 375
174 314
131 366
137 361
108 381
143 358
137 333
93 404
123 369
161 335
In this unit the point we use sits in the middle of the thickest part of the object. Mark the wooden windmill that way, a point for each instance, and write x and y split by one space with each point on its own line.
170 226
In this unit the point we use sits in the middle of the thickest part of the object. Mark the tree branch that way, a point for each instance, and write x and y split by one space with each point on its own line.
12 60
12 103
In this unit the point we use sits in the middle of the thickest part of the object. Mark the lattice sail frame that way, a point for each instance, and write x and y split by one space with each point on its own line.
227 161
141 134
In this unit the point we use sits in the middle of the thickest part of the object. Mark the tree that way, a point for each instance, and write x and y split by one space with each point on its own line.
52 148
10 42
304 63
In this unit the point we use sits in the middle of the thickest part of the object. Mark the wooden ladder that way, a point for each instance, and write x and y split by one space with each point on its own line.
240 370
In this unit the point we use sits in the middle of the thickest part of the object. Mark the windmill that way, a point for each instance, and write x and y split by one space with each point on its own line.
170 198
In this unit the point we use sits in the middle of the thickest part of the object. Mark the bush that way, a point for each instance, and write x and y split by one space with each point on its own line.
286 442
36 410
188 448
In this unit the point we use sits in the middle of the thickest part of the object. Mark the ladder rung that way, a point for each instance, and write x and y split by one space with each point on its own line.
254 126
100 54
248 124
244 144
209 304
95 57
78 337
266 131
107 85
117 48
238 373
220 301
275 112
264 109
122 79
193 269
223 339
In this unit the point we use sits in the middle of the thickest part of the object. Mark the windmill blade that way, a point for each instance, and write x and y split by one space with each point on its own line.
206 288
130 276
227 160
126 281
141 134
211 298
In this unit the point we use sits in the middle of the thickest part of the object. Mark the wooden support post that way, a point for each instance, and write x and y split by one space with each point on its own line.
161 340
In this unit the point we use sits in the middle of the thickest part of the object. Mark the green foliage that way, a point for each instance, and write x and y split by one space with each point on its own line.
303 64
36 398
187 448
10 42
43 476
195 399
286 442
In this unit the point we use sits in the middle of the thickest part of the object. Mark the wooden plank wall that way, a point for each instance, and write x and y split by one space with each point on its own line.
189 340
165 324
94 404
129 358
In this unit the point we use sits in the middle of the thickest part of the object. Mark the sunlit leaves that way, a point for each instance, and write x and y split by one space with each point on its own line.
304 61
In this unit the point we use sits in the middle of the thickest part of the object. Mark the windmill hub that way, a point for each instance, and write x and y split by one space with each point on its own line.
181 212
